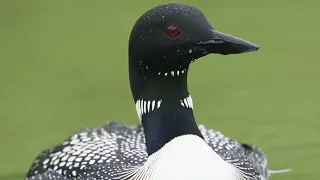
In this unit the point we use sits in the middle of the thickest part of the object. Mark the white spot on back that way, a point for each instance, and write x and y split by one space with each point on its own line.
76 164
62 164
46 161
68 164
91 161
71 158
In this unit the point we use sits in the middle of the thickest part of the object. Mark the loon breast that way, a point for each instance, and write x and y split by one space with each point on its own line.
183 158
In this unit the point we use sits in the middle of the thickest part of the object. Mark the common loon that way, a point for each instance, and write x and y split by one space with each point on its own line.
169 144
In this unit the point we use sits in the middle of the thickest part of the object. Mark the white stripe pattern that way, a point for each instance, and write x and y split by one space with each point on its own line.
144 107
187 102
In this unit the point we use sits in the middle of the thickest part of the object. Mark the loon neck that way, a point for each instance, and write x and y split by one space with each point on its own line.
164 106
169 121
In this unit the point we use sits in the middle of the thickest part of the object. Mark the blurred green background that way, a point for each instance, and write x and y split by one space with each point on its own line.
63 67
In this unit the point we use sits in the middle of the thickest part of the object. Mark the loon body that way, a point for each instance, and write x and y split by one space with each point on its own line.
116 150
168 144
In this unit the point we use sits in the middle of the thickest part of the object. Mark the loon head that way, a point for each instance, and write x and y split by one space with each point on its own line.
167 38
163 43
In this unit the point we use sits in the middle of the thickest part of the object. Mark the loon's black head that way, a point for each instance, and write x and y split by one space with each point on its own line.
167 38
163 43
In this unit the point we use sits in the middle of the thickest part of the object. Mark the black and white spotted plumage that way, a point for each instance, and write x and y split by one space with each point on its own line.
104 153
162 44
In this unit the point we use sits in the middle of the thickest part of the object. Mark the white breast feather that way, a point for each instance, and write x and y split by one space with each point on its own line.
186 157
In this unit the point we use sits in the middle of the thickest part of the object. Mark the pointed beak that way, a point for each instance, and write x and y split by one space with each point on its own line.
221 43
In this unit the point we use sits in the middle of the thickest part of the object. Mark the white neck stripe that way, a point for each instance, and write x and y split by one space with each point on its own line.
146 106
187 102
143 107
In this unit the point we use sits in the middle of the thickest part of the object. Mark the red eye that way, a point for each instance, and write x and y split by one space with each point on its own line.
173 31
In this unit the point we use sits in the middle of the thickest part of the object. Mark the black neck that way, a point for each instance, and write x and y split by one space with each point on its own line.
167 123
171 119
